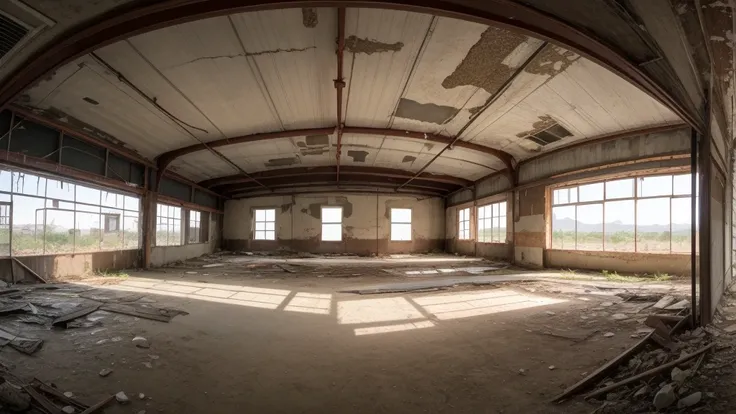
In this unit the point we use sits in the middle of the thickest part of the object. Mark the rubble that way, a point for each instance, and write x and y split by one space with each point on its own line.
690 400
141 342
105 372
122 398
664 397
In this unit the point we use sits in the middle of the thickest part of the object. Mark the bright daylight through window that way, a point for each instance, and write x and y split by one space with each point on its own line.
400 224
642 214
195 227
463 228
265 221
331 223
168 226
492 223
56 216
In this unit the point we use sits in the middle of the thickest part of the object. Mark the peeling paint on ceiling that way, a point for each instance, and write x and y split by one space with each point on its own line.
281 162
429 112
551 61
309 18
483 66
355 44
358 156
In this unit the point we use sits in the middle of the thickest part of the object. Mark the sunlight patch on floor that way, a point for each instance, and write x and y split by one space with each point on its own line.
376 310
392 328
463 305
318 303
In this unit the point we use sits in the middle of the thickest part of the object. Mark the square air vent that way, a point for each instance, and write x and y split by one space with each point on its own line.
19 23
552 134
11 33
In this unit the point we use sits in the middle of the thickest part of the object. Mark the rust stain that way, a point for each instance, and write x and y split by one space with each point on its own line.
482 67
355 44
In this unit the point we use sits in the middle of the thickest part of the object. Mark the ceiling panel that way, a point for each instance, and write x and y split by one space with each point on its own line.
206 62
293 52
381 48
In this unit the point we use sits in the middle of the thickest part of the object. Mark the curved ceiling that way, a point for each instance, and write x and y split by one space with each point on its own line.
251 93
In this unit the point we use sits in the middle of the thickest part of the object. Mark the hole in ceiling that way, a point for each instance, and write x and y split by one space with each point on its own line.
90 100
552 134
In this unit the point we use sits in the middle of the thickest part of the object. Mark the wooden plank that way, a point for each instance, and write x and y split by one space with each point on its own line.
651 372
95 408
45 388
28 269
75 314
603 370
129 310
44 402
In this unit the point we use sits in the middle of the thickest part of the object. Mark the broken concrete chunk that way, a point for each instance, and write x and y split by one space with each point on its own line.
552 367
105 372
690 400
141 342
609 334
664 397
122 398
606 304
141 396
68 410
147 364
550 313
69 394
522 371
664 302
730 329
619 317
679 376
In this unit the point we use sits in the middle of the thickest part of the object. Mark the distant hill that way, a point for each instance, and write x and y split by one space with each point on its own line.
568 224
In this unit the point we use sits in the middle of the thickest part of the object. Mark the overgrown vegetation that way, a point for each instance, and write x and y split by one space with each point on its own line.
622 241
615 277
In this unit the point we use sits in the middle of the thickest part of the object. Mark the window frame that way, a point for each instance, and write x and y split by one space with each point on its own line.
255 222
170 221
503 219
198 233
460 227
392 222
635 198
323 223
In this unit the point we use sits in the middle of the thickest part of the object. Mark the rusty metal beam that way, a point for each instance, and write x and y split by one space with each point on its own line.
328 178
328 181
346 170
140 16
343 188
340 84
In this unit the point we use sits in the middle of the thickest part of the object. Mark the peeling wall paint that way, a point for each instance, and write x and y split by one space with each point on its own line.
551 61
366 223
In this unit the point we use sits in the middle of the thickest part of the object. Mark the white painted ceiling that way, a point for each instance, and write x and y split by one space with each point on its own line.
274 71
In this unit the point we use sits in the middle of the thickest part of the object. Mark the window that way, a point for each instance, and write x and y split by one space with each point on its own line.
639 214
168 226
52 216
265 228
400 224
111 223
195 227
331 223
492 223
463 228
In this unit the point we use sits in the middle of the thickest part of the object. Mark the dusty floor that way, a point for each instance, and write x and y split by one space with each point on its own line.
263 338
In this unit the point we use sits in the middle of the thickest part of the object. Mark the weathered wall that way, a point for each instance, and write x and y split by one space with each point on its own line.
161 255
52 267
366 223
530 228
501 251
623 262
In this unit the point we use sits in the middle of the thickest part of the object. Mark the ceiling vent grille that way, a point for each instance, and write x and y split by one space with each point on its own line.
11 33
552 134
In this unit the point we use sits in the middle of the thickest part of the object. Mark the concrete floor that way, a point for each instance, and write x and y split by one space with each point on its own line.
287 342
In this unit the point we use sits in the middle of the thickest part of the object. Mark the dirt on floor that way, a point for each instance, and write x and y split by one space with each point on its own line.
270 335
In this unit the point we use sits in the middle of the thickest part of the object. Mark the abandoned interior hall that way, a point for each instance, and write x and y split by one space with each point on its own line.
362 206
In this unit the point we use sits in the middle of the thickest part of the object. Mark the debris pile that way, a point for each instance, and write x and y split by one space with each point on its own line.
666 371
38 397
